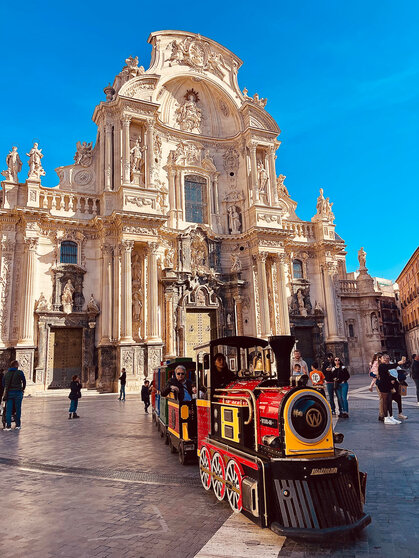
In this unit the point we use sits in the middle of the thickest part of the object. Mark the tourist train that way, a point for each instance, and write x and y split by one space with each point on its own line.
264 441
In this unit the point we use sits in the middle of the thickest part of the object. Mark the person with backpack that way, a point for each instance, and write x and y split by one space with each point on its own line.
14 384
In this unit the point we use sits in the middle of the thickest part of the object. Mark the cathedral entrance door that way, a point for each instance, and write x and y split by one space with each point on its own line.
65 355
305 338
200 328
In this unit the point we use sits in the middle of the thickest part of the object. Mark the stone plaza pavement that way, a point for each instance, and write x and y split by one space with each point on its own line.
106 485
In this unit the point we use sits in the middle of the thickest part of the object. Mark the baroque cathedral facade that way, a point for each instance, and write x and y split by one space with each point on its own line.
170 230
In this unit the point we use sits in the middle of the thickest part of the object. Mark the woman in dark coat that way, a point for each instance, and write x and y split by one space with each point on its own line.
75 394
341 377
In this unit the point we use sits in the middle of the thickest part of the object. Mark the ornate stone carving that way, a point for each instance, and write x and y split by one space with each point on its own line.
83 177
132 69
198 55
186 153
14 166
263 179
35 166
188 115
83 156
42 304
280 187
231 159
92 305
136 158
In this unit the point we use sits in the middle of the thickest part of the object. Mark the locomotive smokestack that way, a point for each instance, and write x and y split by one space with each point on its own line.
282 346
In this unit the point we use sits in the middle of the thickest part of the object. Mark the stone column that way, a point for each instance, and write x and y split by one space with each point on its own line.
329 270
172 197
153 294
106 314
263 294
254 175
26 337
284 318
126 178
272 175
170 333
116 299
239 314
179 198
150 153
6 278
108 156
126 292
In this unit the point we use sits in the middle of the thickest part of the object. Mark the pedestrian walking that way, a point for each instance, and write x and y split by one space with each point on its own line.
341 377
396 394
145 395
329 376
14 383
75 394
374 369
386 385
415 374
123 380
1 390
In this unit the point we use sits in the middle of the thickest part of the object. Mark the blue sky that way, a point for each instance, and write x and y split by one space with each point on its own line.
341 78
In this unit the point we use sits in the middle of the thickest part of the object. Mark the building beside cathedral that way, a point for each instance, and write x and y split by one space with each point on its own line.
171 229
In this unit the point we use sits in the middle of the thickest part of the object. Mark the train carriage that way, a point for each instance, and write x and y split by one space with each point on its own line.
268 447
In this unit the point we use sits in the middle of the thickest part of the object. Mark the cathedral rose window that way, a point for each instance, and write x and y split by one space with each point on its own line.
195 199
68 252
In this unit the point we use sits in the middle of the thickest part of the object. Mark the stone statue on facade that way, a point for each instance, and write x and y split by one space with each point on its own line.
42 303
35 167
362 258
67 297
136 305
168 259
83 156
136 157
132 67
324 208
14 166
301 303
234 221
188 115
263 179
236 265
280 186
374 322
92 305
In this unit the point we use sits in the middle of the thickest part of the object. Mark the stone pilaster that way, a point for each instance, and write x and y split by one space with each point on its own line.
263 294
172 197
116 300
272 175
239 314
126 121
150 153
108 156
284 318
170 333
254 175
27 316
6 274
330 269
126 292
153 294
106 315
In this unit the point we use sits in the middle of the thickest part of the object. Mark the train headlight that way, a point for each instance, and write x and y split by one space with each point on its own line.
308 417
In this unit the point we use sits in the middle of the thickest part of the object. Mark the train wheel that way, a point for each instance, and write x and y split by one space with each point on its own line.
234 486
218 476
171 446
205 468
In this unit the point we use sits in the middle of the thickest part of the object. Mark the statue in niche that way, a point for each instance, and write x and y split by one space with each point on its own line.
35 167
374 322
67 297
263 179
188 115
136 267
168 259
200 297
317 308
136 157
92 305
301 303
362 258
324 207
234 221
14 166
136 305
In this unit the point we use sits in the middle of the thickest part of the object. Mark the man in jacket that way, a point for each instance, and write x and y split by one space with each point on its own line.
179 385
123 380
14 383
298 359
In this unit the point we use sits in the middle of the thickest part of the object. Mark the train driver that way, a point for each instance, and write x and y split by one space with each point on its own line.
221 375
179 385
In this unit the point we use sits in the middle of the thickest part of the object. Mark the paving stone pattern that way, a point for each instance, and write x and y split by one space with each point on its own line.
106 485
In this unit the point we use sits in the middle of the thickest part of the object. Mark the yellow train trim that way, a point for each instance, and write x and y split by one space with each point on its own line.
203 403
173 432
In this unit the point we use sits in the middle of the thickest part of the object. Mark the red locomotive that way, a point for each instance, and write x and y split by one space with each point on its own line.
269 447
